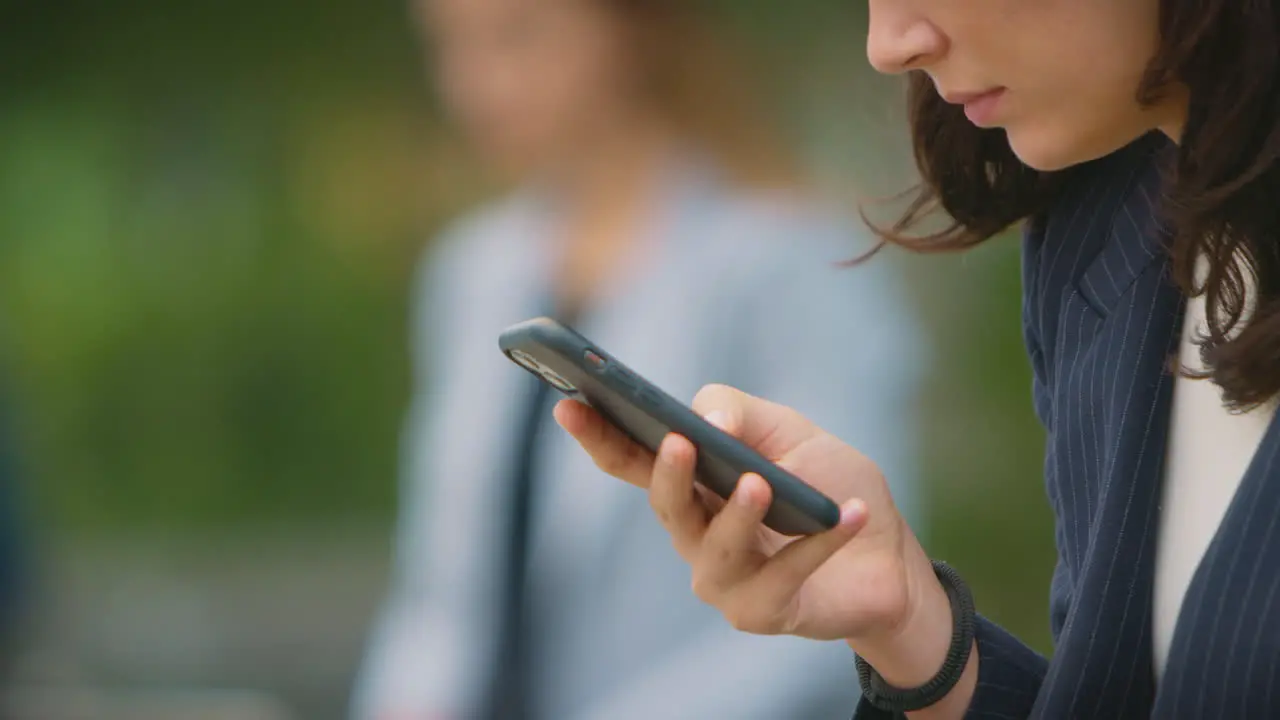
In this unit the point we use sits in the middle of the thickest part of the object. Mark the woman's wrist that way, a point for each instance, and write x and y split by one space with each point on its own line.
916 650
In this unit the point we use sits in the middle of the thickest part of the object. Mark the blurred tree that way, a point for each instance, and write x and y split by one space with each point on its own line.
208 230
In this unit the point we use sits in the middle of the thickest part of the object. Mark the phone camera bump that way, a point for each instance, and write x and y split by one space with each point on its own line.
528 362
558 382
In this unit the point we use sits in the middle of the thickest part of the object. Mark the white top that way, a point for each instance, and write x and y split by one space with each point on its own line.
1209 451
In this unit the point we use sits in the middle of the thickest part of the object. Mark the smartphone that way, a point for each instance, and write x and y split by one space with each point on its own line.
583 371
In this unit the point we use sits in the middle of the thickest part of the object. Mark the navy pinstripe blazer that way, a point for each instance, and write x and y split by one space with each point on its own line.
1102 318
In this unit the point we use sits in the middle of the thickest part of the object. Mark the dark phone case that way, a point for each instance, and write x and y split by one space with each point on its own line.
648 414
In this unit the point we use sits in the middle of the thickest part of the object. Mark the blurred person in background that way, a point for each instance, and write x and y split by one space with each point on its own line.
653 213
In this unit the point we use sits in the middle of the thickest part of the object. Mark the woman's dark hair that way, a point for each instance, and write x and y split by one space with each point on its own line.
1222 197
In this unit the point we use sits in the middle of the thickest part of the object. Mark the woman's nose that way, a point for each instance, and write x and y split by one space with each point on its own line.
898 41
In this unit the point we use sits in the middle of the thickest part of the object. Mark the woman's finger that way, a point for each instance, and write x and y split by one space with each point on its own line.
730 553
610 449
722 406
779 579
772 430
672 495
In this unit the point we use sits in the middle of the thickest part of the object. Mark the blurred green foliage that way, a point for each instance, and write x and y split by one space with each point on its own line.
208 222
209 213
984 445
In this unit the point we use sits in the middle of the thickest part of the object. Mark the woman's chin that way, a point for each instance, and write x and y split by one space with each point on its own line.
1040 151
1047 150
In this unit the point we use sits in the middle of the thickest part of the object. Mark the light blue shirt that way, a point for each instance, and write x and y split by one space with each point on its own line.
725 287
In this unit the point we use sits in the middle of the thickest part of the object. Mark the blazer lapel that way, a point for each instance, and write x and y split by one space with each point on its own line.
1114 331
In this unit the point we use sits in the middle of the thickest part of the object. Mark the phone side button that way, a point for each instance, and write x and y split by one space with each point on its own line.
595 360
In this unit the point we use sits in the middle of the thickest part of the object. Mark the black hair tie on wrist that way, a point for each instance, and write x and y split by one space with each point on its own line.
897 700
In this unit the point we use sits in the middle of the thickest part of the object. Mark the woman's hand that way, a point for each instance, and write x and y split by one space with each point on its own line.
868 581
861 581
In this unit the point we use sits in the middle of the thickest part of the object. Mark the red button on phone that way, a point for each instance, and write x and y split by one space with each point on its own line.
594 360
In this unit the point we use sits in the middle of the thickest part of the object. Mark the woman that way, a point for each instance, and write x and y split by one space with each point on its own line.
650 215
1139 140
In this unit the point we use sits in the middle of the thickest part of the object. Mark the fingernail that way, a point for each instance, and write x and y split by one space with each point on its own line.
854 512
668 452
665 450
754 491
719 418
